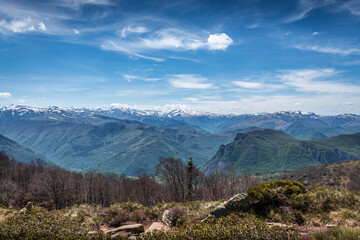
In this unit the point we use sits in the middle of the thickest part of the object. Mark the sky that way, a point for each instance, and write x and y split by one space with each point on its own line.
225 56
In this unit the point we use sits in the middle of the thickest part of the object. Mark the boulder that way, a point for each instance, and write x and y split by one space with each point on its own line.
166 219
133 229
238 203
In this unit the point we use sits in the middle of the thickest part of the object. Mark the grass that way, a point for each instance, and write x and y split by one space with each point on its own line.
231 227
283 201
339 233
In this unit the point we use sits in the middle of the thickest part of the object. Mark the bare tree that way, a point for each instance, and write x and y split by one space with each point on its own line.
171 172
7 191
247 181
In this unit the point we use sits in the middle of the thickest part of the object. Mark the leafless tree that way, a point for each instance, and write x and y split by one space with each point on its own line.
171 172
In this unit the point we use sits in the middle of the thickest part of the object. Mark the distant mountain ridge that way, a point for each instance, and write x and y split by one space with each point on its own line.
100 142
274 151
131 141
301 125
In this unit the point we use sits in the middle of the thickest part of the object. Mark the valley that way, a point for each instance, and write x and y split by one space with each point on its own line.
131 141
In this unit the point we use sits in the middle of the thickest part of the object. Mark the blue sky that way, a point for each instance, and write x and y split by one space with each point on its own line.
246 56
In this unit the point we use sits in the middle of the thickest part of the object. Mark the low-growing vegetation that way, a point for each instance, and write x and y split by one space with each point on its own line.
231 227
39 224
280 202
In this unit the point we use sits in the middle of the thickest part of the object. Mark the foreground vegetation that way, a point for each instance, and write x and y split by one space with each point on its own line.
283 202
72 205
230 227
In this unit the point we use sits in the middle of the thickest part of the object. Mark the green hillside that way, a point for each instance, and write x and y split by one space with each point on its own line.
18 151
104 143
273 151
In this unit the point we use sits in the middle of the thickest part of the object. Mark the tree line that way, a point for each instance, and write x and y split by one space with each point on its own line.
53 187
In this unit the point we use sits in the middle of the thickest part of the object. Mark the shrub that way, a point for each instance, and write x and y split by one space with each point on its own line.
324 199
230 227
37 224
273 194
338 233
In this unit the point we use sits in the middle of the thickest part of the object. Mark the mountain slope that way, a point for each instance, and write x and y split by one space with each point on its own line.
98 142
339 175
18 151
270 150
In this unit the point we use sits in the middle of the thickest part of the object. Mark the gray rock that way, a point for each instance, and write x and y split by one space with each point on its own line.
238 203
166 218
133 229
115 236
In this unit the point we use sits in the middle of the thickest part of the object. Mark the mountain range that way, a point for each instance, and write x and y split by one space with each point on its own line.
301 125
131 141
274 151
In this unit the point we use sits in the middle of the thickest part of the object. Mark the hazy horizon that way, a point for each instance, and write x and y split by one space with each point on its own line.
212 56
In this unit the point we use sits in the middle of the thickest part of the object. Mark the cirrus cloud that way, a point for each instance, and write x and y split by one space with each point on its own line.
251 85
189 81
5 94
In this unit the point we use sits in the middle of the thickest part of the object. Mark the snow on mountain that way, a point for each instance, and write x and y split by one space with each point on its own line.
166 111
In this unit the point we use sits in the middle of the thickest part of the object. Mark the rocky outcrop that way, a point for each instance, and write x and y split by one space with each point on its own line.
132 229
238 203
166 218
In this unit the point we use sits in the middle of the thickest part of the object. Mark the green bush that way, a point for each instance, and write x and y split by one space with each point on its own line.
324 199
38 224
338 233
230 227
274 194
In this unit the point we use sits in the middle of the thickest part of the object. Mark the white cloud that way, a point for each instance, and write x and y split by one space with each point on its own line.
191 99
20 26
219 41
352 6
76 4
189 81
311 80
251 85
130 29
76 31
328 49
305 6
315 33
252 26
16 26
166 39
5 95
171 39
42 26
112 46
129 78
348 103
